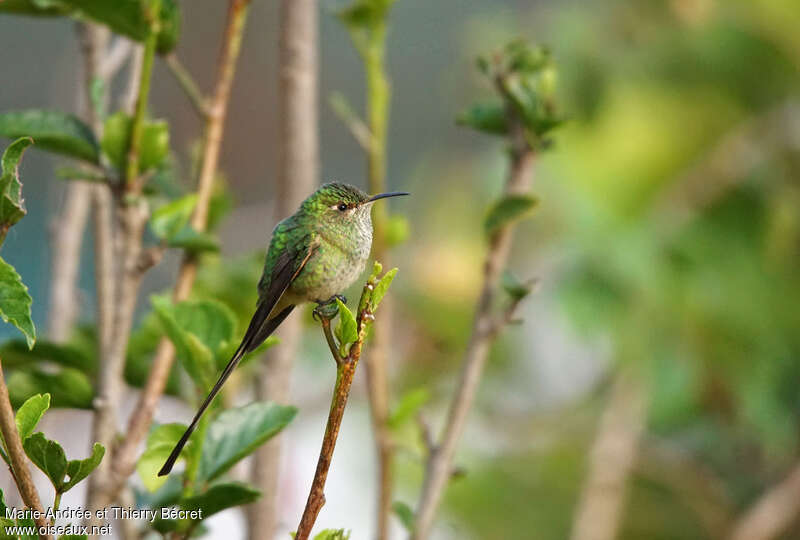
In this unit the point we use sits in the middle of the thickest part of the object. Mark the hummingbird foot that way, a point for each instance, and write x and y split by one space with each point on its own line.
327 309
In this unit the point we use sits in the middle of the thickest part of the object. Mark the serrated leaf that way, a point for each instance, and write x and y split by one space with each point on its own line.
514 287
48 456
116 141
237 432
52 130
381 288
15 302
221 496
405 514
509 209
78 469
169 219
160 443
12 207
68 388
127 17
37 8
29 414
193 240
486 117
347 329
332 534
408 406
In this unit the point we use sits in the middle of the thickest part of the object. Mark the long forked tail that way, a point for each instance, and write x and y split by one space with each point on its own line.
260 329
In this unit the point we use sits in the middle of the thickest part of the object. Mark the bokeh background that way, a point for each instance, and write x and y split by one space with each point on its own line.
666 244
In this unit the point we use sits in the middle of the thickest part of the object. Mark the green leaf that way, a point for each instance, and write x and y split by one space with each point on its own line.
201 331
169 219
408 406
397 230
30 413
332 534
68 387
16 354
116 141
486 117
52 130
221 496
82 175
78 469
237 432
48 456
381 287
193 241
509 209
12 207
39 8
516 289
128 17
405 514
347 329
15 302
160 443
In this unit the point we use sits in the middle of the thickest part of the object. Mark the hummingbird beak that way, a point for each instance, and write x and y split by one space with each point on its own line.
385 195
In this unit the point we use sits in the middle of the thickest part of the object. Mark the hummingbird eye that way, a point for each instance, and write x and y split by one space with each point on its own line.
342 207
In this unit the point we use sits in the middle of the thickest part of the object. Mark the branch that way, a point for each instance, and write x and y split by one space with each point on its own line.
296 176
483 331
612 458
124 459
773 513
345 370
188 85
358 129
19 463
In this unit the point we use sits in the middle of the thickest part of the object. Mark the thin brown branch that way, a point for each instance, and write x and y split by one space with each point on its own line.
773 513
345 370
187 84
124 459
439 466
19 462
611 461
296 176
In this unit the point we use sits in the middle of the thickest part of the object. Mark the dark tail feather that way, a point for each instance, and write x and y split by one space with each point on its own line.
257 332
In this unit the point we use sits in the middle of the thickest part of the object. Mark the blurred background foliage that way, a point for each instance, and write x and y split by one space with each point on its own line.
666 241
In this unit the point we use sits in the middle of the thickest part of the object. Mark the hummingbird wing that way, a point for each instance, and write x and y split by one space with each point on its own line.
284 267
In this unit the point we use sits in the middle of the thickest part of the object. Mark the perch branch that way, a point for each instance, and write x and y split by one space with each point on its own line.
345 370
439 465
773 513
19 463
124 459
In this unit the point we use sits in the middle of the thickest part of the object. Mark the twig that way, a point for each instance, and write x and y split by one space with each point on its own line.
439 466
611 460
188 84
133 214
773 513
19 463
345 370
296 176
358 129
124 459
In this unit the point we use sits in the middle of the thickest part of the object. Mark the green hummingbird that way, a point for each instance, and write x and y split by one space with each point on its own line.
314 255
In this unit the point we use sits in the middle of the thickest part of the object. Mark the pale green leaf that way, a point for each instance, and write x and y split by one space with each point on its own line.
405 514
30 413
381 287
15 302
55 131
507 210
169 219
160 443
12 207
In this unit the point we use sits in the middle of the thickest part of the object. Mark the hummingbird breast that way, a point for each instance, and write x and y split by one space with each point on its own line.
338 260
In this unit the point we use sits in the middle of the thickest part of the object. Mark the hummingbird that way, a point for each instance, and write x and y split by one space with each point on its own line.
313 256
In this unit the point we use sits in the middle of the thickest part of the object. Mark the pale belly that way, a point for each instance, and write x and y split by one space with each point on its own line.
329 271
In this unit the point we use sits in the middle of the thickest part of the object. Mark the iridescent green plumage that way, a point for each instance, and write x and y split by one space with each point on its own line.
314 254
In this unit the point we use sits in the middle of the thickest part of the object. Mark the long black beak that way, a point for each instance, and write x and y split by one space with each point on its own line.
385 195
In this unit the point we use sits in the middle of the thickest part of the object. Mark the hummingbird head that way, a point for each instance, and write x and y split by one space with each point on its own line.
342 204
